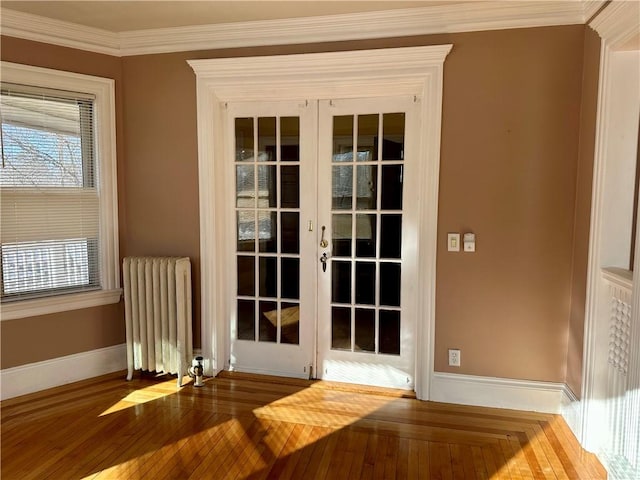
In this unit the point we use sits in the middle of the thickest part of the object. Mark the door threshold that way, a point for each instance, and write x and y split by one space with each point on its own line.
323 384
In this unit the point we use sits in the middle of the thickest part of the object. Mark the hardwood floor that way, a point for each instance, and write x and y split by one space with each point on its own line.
240 426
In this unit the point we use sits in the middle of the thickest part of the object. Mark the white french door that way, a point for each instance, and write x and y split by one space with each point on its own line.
366 295
325 241
271 146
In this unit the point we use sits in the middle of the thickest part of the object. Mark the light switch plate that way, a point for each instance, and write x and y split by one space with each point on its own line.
453 242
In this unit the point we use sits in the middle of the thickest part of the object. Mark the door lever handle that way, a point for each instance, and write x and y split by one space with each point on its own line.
323 260
323 242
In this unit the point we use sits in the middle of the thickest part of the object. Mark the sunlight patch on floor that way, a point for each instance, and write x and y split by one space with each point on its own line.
253 456
146 394
154 464
288 409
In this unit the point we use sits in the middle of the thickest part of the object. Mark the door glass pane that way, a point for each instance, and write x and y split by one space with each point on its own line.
366 283
290 323
393 136
368 138
367 188
390 332
289 139
366 235
245 186
268 322
365 330
343 138
341 235
390 235
246 224
290 232
268 225
341 282
392 187
246 275
342 187
290 186
390 284
341 328
290 278
267 186
268 276
244 139
267 139
246 324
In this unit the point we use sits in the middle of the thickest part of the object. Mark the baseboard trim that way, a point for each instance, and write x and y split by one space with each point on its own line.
494 392
34 377
571 410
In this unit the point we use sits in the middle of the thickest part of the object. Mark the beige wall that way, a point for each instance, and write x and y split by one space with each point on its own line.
508 172
582 223
511 121
39 338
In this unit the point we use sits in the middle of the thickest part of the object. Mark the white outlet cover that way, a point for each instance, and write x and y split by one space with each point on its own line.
454 357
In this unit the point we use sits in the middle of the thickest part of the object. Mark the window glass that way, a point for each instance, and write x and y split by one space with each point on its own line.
50 203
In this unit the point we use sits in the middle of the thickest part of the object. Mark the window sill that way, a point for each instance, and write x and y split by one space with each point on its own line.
60 303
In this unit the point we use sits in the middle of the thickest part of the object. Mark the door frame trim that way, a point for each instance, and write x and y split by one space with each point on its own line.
365 73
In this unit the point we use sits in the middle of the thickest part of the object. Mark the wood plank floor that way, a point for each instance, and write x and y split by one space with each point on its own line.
249 427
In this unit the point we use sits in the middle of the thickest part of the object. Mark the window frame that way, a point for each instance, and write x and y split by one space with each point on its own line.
106 179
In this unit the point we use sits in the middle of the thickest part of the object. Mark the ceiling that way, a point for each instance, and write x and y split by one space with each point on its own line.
122 16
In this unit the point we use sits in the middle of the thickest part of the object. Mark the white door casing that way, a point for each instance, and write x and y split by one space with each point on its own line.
416 71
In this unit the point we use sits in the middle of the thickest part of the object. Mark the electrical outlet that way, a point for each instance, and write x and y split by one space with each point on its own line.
454 357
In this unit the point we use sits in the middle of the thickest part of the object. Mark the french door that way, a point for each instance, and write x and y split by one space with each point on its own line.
366 323
272 150
325 239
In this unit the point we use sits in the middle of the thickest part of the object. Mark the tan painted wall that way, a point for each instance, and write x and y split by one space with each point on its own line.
582 223
511 119
45 337
508 170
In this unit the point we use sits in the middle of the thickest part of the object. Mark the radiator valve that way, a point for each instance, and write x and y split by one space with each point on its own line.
197 372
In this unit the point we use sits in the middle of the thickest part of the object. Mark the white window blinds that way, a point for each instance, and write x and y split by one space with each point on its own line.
49 199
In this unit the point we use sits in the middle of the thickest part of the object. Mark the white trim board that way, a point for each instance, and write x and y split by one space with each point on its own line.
546 397
34 377
447 18
571 409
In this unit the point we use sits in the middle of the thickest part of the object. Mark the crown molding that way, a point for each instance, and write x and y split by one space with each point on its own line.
57 32
591 7
452 18
448 18
618 23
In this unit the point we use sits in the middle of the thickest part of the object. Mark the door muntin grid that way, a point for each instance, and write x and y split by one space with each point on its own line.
267 208
366 216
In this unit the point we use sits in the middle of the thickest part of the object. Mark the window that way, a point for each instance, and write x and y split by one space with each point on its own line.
57 183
